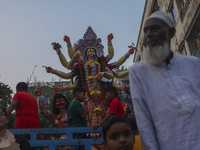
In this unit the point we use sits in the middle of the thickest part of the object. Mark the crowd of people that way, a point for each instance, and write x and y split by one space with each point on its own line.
165 94
63 114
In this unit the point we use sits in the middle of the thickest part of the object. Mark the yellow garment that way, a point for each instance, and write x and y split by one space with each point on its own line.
137 145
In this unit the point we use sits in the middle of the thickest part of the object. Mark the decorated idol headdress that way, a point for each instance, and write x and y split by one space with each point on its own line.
89 40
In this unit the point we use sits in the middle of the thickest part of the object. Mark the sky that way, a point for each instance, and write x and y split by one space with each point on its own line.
27 29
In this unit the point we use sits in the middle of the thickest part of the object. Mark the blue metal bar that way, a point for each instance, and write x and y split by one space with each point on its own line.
34 142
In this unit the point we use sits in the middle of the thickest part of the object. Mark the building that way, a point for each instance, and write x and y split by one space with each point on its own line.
186 14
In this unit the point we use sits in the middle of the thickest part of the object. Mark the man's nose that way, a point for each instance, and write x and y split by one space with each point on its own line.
149 33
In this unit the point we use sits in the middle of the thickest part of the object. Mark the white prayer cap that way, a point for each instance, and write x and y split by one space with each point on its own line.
163 16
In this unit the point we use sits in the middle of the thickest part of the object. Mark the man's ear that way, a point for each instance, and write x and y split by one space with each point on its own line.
172 32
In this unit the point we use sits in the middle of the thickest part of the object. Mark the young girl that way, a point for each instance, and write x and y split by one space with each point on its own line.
117 133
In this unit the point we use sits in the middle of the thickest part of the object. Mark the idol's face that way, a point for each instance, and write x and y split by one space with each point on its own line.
91 53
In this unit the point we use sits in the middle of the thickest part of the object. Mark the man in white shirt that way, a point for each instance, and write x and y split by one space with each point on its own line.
165 90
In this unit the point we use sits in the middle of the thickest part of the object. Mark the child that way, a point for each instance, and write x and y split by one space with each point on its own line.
77 114
117 133
115 106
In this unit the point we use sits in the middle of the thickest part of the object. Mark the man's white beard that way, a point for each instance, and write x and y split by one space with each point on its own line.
156 54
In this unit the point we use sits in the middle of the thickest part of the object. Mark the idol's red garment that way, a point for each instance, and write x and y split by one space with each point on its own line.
26 115
116 107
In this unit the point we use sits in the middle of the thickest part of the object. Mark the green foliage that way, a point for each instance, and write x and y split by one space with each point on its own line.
11 122
44 123
5 101
5 95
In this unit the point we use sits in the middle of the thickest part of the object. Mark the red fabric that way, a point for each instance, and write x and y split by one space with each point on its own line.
116 107
26 115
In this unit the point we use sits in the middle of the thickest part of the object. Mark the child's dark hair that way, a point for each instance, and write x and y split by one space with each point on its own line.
112 90
112 120
4 110
78 89
22 86
130 115
58 96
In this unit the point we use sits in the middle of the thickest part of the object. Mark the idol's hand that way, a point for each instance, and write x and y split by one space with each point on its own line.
132 48
131 51
49 69
101 74
66 39
56 46
110 37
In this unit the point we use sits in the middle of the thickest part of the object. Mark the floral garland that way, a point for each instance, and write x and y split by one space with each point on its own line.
93 68
85 82
58 117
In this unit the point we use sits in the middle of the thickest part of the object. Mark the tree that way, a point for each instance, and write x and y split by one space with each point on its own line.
5 100
5 95
11 122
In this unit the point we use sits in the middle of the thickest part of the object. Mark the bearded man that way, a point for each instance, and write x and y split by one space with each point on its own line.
165 90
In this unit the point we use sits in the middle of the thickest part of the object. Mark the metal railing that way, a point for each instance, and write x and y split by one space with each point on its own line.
35 141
